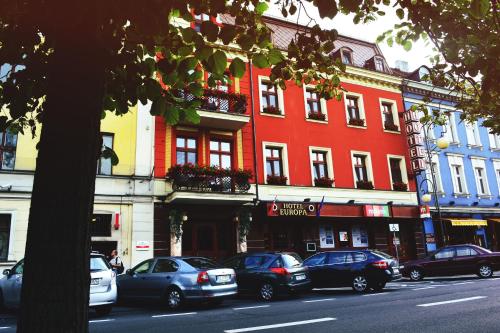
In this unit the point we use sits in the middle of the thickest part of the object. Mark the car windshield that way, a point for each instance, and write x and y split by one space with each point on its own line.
201 263
291 260
97 263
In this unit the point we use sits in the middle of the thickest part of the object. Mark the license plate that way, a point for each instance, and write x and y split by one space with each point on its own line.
223 278
94 282
300 277
395 271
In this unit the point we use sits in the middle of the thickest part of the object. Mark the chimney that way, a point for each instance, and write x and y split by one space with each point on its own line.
402 65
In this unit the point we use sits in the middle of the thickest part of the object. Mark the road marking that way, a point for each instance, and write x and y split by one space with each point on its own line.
375 294
460 283
293 323
424 288
318 300
252 307
453 301
100 320
173 314
4 327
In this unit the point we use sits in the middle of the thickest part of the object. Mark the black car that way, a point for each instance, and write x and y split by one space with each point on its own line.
359 269
269 274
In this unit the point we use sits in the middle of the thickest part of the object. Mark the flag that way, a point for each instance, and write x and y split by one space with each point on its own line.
272 207
318 211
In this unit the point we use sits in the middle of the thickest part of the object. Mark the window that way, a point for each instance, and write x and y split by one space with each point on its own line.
458 176
472 131
437 176
389 117
218 100
186 151
8 142
104 166
481 182
379 64
101 225
274 163
255 261
165 266
451 129
269 97
220 154
494 141
143 267
445 254
360 169
352 108
318 259
336 258
318 160
5 220
355 257
396 173
465 251
312 102
346 56
198 19
201 263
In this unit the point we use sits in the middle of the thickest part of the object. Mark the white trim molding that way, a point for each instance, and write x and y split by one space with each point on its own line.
279 96
402 167
329 162
322 104
394 110
368 162
284 158
361 106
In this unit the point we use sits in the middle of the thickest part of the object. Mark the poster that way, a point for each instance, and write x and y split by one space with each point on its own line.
343 236
359 236
326 236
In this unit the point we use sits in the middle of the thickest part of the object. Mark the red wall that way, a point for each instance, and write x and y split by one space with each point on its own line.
299 134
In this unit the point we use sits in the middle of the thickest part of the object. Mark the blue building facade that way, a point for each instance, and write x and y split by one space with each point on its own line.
466 174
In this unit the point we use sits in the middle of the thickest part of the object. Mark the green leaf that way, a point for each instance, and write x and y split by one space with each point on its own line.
227 34
172 114
188 64
400 13
109 153
209 30
275 56
217 62
479 8
407 45
261 7
260 60
204 52
237 67
390 41
158 107
190 115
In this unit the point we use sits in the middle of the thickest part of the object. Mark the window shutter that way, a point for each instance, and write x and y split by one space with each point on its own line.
471 140
281 100
324 110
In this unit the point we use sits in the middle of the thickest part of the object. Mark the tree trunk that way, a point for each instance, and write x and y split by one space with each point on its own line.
56 277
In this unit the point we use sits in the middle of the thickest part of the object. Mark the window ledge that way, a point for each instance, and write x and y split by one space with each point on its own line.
495 149
475 146
461 195
354 126
485 196
455 144
317 121
392 132
272 115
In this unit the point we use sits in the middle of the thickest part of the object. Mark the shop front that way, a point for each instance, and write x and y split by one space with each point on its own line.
308 228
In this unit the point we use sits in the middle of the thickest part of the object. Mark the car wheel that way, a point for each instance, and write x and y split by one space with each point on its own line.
360 284
485 271
416 274
174 298
266 292
378 286
103 310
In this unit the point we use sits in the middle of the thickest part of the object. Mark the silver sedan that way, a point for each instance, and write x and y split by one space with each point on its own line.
176 280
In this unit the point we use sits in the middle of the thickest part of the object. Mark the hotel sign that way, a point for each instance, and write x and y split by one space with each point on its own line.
291 209
376 211
417 153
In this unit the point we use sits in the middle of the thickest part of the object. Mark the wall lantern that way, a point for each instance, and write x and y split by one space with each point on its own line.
442 143
426 198
184 217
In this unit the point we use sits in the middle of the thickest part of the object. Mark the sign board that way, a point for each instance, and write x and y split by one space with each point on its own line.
396 241
326 237
142 246
425 211
291 209
393 227
413 132
311 247
376 211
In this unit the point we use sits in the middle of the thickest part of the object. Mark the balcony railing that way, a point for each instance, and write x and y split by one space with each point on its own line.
220 101
208 179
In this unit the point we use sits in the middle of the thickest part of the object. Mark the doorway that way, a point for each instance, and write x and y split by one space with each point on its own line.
211 240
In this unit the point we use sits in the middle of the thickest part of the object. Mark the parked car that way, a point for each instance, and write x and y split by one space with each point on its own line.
454 260
359 269
269 274
102 285
176 280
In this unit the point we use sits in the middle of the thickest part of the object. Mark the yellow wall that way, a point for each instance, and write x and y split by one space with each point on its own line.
123 128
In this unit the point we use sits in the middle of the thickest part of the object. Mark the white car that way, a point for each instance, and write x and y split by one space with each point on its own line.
102 285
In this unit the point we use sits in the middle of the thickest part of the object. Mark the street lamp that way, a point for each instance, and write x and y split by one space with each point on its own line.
442 143
426 198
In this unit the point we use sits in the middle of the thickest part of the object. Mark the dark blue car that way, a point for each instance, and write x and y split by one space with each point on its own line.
360 269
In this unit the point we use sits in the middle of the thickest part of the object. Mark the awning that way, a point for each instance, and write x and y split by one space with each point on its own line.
467 223
495 220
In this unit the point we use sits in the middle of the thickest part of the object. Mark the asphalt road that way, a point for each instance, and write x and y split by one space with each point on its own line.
465 304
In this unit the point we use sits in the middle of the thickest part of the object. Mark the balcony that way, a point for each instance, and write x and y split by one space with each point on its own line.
193 183
222 110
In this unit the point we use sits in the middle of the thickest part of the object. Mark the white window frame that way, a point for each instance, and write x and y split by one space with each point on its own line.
473 136
402 166
329 161
322 104
395 113
494 141
496 167
369 166
437 175
479 163
10 251
361 106
451 129
351 52
458 160
279 95
375 63
284 157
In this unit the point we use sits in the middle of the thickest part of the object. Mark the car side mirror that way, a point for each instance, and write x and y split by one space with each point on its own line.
6 272
129 272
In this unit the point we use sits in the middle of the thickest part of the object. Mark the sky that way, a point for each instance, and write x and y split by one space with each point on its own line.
417 56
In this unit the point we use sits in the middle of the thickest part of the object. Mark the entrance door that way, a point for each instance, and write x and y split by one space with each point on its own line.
103 247
210 240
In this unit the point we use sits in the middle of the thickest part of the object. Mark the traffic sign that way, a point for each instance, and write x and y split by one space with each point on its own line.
393 227
396 241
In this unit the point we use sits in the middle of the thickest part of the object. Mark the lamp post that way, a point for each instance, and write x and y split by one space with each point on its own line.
441 143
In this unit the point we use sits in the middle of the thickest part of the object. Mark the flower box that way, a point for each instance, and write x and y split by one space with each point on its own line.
357 122
317 116
364 184
271 110
400 186
276 180
323 182
391 127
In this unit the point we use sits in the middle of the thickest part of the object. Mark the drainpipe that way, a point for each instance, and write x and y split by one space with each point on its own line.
254 136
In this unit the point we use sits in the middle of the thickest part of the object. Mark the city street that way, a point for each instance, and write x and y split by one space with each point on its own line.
464 304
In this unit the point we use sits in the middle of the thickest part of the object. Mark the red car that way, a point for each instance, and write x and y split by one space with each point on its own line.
454 260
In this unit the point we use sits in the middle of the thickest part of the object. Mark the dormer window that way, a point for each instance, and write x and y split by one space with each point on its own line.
346 55
379 64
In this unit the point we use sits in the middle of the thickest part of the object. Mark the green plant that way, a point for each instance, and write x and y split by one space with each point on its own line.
365 185
176 222
323 182
245 221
